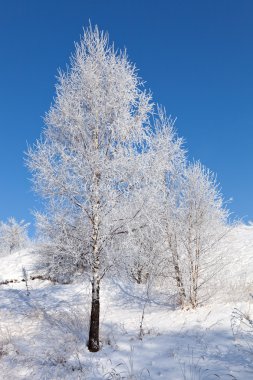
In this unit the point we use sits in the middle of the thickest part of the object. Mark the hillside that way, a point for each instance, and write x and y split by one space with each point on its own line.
43 334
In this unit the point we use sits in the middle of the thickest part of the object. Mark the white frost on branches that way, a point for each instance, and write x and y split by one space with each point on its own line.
196 223
85 161
119 192
13 236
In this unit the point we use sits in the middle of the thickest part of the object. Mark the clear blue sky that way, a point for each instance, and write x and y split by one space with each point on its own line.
196 57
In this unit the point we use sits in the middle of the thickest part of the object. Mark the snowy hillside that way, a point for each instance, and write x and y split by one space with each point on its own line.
43 335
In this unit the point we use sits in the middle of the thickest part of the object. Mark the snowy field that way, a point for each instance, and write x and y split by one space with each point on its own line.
43 335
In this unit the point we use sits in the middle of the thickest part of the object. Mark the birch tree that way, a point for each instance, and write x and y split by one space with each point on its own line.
196 224
141 254
84 161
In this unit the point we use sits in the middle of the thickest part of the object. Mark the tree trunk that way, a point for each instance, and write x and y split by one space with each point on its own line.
93 344
180 286
178 273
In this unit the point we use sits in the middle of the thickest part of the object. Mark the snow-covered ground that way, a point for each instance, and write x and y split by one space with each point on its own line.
43 334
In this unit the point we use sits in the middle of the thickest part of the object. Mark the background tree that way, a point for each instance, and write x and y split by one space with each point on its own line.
13 235
141 253
62 245
196 225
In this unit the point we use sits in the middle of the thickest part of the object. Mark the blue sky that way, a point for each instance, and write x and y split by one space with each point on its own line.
196 57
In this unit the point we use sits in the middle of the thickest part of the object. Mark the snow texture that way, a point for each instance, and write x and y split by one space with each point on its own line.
43 335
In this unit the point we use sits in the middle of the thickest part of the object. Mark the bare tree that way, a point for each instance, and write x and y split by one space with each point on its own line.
142 253
197 223
13 235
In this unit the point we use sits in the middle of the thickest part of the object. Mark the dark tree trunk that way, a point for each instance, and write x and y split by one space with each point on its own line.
93 343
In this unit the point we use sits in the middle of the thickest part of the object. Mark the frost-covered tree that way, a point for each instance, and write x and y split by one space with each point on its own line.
142 246
196 223
62 245
84 162
13 235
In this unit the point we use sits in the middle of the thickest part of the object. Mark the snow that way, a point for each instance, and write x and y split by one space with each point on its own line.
43 336
11 265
